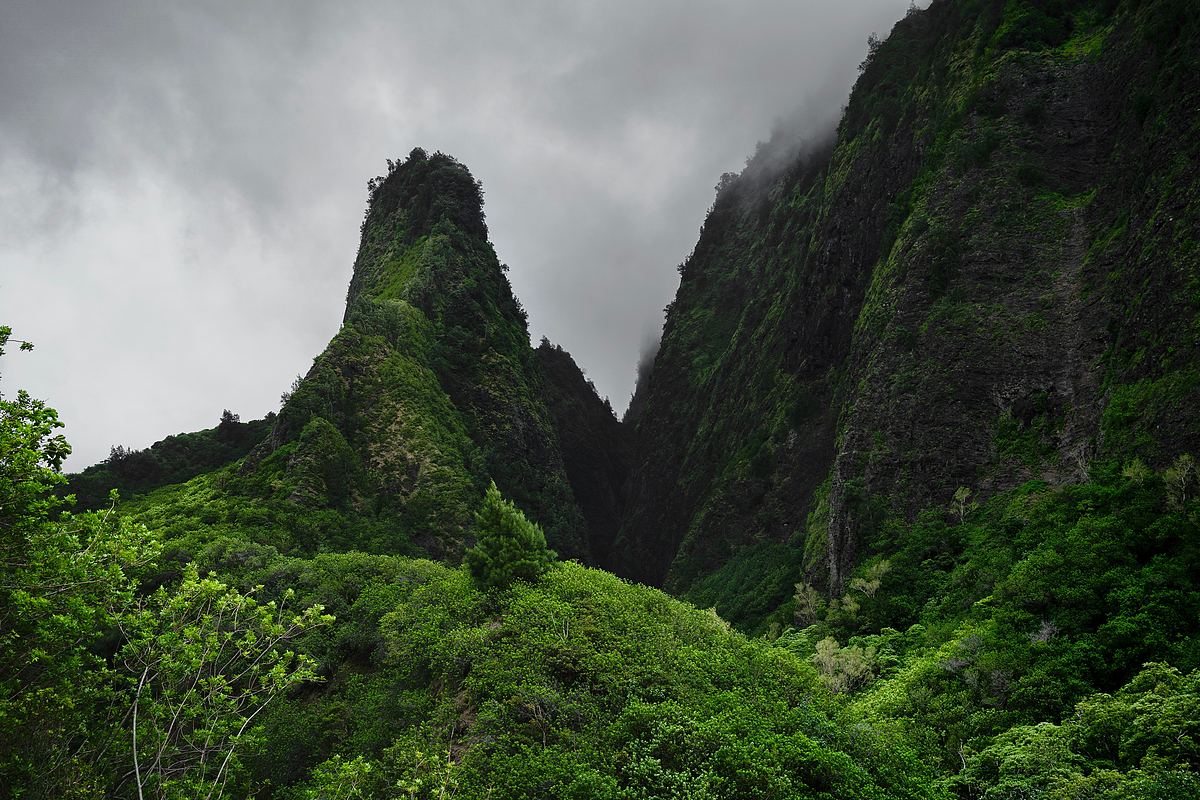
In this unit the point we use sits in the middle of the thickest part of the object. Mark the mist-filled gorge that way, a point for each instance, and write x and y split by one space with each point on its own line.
904 503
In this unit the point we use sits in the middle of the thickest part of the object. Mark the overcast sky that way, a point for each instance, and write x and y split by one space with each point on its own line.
181 184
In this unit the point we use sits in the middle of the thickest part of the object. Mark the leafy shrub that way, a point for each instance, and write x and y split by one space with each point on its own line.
1034 25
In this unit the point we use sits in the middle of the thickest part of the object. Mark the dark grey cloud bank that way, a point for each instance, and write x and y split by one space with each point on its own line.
181 183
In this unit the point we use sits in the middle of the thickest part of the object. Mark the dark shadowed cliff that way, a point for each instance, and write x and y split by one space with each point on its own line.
594 444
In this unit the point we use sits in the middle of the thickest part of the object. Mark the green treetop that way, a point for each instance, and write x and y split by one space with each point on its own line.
509 547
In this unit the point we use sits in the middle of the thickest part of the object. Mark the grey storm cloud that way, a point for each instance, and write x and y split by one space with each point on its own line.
181 182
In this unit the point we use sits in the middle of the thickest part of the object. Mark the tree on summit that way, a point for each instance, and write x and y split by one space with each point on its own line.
229 427
509 547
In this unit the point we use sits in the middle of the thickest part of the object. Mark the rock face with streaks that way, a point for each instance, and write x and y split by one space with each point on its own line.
987 275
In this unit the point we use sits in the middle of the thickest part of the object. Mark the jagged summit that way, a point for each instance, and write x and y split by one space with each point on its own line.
429 391
419 196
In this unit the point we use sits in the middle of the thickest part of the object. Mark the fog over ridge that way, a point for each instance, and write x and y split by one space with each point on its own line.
181 184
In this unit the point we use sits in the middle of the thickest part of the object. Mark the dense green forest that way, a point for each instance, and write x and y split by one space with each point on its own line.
906 504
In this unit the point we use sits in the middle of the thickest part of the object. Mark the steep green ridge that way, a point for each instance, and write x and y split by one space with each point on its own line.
987 277
924 410
429 390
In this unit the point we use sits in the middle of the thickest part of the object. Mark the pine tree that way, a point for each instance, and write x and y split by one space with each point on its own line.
509 547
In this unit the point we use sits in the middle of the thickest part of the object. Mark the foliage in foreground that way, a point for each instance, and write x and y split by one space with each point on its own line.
556 681
1142 741
579 685
1045 643
105 690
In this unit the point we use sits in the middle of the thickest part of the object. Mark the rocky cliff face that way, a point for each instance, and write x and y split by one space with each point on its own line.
988 275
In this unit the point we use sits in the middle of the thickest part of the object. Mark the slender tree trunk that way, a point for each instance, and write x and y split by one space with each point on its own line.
137 770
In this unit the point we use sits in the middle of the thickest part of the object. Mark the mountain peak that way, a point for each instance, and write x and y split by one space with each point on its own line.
420 197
